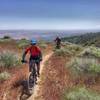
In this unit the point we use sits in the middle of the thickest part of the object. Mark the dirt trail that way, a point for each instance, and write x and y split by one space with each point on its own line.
36 89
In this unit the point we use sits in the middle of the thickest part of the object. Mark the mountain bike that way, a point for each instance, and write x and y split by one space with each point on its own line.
32 77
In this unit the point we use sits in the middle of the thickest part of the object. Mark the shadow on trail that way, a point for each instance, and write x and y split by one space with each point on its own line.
25 92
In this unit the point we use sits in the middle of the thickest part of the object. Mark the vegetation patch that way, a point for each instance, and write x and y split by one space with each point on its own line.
4 76
9 59
23 43
81 65
5 39
80 93
74 49
87 39
62 52
91 52
42 44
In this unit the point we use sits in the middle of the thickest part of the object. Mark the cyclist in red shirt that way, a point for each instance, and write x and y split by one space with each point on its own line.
35 54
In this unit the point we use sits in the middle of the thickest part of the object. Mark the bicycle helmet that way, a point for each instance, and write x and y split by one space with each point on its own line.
33 42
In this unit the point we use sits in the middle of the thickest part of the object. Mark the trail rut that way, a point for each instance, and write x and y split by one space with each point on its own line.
35 93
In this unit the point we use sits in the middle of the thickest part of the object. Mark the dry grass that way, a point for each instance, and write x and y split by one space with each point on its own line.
80 93
54 79
4 76
9 59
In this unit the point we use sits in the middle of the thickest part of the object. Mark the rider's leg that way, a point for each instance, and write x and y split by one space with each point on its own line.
38 68
58 45
30 65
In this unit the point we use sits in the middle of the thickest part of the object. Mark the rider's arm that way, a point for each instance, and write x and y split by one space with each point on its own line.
55 40
40 53
41 56
24 54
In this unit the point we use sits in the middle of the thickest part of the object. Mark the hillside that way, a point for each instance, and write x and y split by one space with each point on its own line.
72 71
85 39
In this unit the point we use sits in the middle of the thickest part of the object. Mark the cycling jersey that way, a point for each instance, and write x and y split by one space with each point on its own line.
58 40
34 51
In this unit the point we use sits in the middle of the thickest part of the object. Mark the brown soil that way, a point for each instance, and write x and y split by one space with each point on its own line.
55 77
11 88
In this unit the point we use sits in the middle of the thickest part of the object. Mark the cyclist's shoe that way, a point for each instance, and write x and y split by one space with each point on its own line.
38 75
29 73
36 83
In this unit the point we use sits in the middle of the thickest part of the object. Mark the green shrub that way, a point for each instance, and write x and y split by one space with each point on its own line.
74 49
80 94
62 52
6 37
96 51
4 76
91 52
95 68
42 44
8 59
23 43
82 65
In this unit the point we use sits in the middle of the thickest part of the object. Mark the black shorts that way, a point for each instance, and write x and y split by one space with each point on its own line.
35 59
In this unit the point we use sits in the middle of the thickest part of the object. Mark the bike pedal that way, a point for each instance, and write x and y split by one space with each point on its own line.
36 83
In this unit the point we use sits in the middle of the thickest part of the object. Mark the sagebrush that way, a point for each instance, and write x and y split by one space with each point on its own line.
4 76
82 65
80 93
9 59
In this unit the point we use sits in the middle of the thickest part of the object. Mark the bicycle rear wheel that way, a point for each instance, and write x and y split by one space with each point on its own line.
32 77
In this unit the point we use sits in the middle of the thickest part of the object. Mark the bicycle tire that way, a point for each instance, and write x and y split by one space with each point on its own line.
32 77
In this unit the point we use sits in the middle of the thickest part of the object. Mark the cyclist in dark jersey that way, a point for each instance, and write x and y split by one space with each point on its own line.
58 43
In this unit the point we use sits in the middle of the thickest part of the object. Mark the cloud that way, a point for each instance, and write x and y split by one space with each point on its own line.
58 24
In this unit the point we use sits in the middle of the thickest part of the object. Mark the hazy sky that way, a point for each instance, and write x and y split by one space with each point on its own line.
49 14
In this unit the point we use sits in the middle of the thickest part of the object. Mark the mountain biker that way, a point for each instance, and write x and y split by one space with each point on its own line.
58 42
35 54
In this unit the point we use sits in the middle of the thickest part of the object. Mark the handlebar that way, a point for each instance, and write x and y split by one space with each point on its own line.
24 61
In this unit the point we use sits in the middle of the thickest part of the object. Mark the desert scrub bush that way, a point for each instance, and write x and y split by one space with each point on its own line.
81 65
95 51
62 52
91 52
9 59
5 39
80 93
23 43
4 76
74 48
42 44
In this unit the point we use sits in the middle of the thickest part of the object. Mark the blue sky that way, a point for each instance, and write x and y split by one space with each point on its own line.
49 14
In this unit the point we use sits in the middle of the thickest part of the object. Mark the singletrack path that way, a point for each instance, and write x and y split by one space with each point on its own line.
36 89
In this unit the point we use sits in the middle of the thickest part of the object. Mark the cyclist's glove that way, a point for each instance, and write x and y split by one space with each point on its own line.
40 58
23 61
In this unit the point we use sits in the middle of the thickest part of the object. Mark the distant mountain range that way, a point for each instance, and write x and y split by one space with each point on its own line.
85 39
42 34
